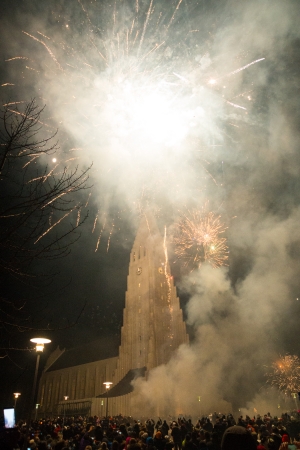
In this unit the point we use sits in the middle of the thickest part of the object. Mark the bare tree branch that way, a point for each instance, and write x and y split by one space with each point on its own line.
41 209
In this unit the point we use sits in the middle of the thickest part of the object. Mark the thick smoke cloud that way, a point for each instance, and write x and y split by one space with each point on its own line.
237 331
235 143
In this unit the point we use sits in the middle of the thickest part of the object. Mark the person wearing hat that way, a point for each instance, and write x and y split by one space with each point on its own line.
237 438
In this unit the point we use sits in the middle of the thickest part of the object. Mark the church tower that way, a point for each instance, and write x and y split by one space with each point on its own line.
153 325
153 328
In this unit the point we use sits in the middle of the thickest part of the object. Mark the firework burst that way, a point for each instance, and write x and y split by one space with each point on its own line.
134 87
198 239
285 374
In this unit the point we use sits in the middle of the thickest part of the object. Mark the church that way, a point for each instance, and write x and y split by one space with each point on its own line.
153 328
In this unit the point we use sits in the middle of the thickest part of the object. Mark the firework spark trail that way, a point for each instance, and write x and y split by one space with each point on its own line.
78 217
67 191
240 69
172 18
14 103
44 35
50 173
47 48
28 117
145 27
55 224
34 157
197 239
95 222
245 67
167 275
88 199
235 105
109 237
17 57
101 231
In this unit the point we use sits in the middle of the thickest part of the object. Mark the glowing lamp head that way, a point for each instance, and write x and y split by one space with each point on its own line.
40 343
66 397
17 394
54 160
107 384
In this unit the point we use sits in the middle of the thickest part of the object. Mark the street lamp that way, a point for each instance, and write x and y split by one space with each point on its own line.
36 410
294 395
107 385
65 398
16 395
39 347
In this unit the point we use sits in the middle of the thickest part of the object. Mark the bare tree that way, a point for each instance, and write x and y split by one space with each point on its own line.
41 206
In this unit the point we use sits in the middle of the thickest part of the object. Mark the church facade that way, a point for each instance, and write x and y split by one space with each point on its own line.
153 328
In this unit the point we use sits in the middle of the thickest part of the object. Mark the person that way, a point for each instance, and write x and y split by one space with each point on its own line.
176 435
188 443
159 441
150 427
263 444
169 444
237 438
85 441
165 428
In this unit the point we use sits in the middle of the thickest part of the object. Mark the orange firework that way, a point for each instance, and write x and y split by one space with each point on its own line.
198 239
285 374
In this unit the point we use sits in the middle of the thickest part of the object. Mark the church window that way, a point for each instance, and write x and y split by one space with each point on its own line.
162 297
133 256
160 284
139 284
139 311
140 338
140 352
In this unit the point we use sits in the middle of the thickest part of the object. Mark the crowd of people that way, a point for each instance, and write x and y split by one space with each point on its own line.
215 432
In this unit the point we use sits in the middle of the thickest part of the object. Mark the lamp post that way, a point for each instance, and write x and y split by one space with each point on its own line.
107 385
294 395
16 395
65 399
36 410
39 347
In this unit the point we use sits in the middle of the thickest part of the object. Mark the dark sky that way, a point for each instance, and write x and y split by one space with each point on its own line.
159 106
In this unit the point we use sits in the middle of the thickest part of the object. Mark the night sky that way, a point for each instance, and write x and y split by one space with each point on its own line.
175 108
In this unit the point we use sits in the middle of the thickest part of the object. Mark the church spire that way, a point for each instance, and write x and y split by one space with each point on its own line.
152 321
